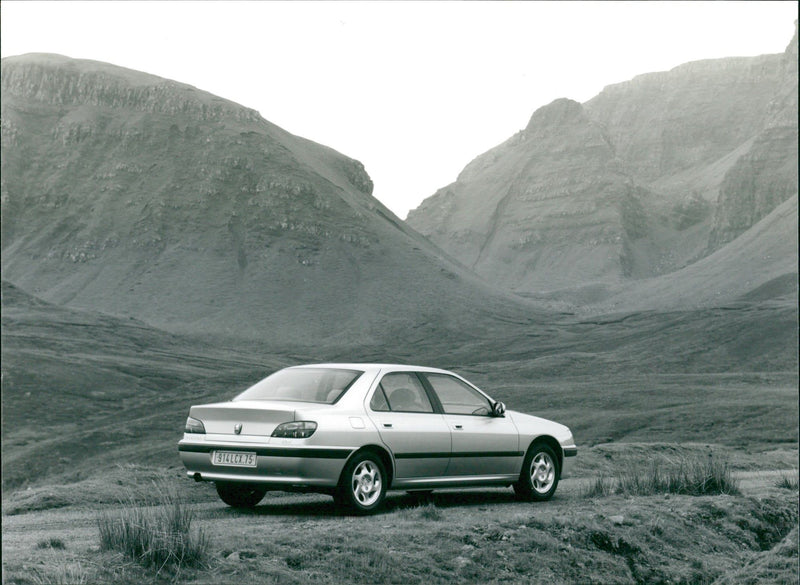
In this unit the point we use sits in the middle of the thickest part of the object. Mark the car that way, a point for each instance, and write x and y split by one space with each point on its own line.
355 431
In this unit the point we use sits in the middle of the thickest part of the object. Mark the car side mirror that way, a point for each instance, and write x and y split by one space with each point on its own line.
498 409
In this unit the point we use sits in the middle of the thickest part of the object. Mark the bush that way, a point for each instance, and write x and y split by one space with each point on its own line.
693 476
158 535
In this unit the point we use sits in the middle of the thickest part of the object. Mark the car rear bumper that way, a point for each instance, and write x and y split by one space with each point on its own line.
283 467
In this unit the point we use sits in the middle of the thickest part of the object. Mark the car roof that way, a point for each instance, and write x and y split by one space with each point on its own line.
375 367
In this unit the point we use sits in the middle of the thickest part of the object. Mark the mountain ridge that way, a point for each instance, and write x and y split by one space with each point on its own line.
689 143
152 199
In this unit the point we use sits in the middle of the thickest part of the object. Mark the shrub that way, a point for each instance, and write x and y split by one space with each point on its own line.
158 535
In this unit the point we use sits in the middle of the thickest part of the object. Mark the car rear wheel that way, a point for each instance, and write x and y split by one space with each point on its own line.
363 484
539 477
240 495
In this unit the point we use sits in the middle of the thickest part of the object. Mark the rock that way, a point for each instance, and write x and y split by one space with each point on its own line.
767 174
619 519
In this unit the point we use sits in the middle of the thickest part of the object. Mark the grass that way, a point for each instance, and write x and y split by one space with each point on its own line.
474 537
788 482
692 476
158 536
52 542
64 573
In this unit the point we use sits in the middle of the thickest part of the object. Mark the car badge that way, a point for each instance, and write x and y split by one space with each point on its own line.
237 428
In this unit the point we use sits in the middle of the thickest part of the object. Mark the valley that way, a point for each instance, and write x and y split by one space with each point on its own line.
625 266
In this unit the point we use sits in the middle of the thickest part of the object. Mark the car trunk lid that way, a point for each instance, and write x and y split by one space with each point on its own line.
256 417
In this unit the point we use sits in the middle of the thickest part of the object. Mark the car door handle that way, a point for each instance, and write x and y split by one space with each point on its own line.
387 425
458 427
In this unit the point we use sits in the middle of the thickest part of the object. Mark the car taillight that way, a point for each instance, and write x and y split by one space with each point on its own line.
194 426
295 430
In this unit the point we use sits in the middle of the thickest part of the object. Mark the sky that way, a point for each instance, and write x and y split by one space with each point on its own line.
413 90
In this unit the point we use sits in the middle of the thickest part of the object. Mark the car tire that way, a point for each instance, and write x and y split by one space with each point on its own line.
363 484
540 473
240 495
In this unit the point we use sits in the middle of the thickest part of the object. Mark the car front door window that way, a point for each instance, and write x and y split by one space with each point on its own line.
457 397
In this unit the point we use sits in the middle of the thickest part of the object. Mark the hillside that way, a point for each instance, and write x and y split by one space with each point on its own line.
138 196
645 179
549 206
109 397
759 265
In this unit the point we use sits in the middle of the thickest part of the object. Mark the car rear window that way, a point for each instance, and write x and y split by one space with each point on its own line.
321 385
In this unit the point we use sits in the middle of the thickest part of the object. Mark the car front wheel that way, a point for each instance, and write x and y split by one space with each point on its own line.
363 484
240 495
539 477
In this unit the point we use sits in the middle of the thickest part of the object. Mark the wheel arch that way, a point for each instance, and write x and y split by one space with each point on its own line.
554 445
382 453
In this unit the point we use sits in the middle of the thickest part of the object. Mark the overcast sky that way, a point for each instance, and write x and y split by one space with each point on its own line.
414 90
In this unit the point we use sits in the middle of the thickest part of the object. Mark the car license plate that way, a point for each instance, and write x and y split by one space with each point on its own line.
234 458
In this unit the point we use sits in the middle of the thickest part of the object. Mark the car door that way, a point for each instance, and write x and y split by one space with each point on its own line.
418 437
482 444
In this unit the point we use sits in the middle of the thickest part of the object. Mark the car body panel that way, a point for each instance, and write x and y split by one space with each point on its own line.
421 450
483 445
419 442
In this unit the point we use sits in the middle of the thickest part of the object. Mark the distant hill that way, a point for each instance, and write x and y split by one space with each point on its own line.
550 205
138 196
646 179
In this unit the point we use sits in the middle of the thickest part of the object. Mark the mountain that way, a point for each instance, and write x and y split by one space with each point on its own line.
550 206
646 179
759 265
137 196
766 174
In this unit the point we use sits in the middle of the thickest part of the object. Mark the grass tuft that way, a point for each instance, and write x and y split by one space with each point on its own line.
788 482
430 512
67 573
601 486
157 536
693 476
51 542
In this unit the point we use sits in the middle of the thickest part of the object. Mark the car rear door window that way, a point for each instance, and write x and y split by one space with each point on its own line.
458 397
401 392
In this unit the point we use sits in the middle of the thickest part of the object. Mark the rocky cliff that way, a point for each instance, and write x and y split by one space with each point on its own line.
766 175
139 196
648 177
549 207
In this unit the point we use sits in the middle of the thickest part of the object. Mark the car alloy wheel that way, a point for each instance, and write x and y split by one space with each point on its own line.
543 472
367 483
363 485
540 474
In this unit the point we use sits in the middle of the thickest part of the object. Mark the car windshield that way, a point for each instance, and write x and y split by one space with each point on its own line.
321 385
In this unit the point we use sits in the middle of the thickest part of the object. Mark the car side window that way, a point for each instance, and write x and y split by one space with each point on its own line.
457 397
403 392
379 402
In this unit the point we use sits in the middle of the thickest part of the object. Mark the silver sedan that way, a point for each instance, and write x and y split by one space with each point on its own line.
355 431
